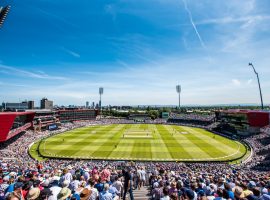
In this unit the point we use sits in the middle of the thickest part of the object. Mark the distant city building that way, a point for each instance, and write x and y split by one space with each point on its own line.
93 105
18 106
31 104
46 104
87 104
69 115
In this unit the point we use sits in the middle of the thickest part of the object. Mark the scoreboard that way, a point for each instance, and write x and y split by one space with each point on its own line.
165 115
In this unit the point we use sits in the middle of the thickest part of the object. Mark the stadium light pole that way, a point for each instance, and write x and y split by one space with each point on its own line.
178 90
101 90
250 64
3 14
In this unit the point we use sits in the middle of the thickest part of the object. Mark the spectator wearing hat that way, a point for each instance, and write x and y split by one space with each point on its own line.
237 190
33 193
12 196
64 193
85 194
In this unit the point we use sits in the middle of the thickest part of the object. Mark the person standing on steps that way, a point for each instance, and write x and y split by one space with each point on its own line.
127 183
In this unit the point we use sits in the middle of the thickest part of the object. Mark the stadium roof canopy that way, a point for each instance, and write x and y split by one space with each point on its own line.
245 111
8 119
16 113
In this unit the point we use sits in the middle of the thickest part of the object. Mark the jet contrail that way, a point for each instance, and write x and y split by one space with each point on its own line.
193 24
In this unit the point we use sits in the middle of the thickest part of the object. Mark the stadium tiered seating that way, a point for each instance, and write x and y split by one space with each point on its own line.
25 178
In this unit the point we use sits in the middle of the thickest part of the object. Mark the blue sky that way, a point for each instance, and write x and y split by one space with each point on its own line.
138 50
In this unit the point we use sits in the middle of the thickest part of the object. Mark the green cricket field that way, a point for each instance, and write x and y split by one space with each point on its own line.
144 142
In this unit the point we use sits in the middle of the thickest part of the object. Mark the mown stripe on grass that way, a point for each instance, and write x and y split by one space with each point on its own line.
158 145
102 150
67 149
163 145
96 143
191 147
215 148
176 151
123 151
141 150
61 139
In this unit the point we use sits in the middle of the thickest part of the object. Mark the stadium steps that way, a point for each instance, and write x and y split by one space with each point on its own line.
141 194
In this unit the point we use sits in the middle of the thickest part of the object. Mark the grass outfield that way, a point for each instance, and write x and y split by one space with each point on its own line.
141 142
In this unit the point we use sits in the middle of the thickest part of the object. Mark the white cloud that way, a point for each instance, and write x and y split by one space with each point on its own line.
231 19
236 82
73 53
249 82
19 72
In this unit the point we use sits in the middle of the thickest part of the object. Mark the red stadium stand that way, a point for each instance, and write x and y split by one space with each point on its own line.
13 123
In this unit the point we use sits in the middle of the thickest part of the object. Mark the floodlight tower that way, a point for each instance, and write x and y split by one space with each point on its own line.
3 14
250 64
178 90
100 93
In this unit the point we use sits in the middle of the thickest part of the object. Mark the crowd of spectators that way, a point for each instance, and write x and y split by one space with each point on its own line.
21 177
192 119
131 121
193 116
266 129
261 148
